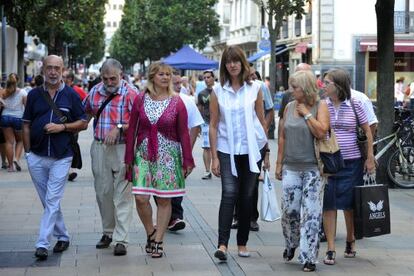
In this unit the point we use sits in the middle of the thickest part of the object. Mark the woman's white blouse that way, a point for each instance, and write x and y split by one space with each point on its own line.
239 129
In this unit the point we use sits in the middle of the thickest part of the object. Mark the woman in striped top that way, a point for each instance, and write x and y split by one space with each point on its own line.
339 191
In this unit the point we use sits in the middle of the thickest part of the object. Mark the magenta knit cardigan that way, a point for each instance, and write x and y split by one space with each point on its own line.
172 124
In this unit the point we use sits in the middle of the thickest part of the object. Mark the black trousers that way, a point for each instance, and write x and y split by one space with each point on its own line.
234 189
177 211
254 212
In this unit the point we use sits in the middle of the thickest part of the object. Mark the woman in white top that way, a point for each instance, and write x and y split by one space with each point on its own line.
13 100
237 140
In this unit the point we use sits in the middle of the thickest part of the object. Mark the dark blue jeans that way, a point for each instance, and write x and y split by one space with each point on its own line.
234 189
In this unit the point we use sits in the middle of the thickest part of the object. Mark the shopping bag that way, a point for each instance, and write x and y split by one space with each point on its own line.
371 209
269 210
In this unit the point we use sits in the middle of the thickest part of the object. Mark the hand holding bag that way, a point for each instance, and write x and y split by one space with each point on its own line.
328 154
371 209
269 210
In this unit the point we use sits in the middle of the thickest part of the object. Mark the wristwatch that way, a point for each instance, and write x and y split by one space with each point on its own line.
119 126
307 116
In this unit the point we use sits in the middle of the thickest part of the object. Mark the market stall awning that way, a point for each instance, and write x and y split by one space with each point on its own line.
370 45
188 59
260 54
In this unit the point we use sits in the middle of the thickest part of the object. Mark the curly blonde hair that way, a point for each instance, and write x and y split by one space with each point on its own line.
306 80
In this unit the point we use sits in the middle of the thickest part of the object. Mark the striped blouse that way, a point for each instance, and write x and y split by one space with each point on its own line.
343 122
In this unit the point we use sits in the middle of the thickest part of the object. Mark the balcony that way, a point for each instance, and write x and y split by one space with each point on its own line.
400 26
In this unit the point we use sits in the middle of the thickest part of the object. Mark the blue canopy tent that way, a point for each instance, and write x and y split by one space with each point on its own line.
279 49
188 59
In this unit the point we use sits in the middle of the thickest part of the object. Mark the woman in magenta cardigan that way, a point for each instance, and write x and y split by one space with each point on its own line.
162 159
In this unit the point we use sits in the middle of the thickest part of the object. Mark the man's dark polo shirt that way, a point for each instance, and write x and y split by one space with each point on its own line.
38 113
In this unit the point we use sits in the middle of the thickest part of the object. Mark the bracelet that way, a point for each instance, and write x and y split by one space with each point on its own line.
64 125
267 150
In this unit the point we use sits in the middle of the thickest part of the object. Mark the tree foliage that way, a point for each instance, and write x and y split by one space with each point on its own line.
78 24
279 10
56 22
151 29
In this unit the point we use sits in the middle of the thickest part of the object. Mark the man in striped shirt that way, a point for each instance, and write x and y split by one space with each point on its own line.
113 192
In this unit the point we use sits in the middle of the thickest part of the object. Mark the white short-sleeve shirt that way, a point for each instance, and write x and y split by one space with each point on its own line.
194 115
366 105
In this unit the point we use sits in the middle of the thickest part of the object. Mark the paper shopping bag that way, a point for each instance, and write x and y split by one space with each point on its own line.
269 210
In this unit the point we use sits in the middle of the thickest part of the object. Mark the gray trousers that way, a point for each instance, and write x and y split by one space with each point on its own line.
113 192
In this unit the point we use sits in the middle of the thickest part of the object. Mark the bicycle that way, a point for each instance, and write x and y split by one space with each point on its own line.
400 165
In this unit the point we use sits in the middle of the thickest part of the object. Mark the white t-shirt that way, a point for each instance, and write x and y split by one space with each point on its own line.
412 90
13 105
194 115
366 105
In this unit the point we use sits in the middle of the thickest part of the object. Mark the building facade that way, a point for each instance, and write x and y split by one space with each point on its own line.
332 33
112 19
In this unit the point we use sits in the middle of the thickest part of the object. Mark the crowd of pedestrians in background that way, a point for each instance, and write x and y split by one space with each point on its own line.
144 129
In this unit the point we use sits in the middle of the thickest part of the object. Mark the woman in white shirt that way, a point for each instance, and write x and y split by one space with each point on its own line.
13 100
238 141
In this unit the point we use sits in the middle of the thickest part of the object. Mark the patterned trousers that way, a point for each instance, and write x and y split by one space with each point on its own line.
302 212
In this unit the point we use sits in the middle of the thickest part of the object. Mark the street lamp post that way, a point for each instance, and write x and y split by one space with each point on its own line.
3 47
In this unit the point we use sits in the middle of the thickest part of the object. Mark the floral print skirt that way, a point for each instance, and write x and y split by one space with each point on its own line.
162 178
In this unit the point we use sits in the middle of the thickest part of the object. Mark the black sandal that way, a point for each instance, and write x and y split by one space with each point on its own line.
349 253
157 250
150 243
288 254
330 258
309 267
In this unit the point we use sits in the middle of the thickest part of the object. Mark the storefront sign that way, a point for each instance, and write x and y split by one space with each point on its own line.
403 62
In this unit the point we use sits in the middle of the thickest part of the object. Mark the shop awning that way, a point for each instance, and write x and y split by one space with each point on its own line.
370 45
260 54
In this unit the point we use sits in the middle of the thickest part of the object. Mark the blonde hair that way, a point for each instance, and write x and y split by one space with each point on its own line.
306 80
152 71
11 85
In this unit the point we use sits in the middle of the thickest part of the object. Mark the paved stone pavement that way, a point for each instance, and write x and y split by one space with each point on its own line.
188 252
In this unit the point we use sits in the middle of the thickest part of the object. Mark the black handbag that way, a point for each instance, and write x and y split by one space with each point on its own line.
371 209
328 154
362 140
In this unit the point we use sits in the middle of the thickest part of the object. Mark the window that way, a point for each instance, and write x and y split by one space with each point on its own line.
114 24
120 7
114 7
108 23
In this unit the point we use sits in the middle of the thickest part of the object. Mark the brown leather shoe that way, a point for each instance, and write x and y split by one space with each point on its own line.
104 242
120 250
41 253
60 246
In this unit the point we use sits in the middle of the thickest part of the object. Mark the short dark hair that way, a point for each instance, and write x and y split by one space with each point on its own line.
209 71
39 80
70 75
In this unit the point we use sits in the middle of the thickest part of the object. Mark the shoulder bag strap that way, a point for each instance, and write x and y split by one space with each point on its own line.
52 104
356 115
101 108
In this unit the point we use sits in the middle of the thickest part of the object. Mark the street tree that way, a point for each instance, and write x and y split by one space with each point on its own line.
75 26
151 29
17 17
385 77
277 11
